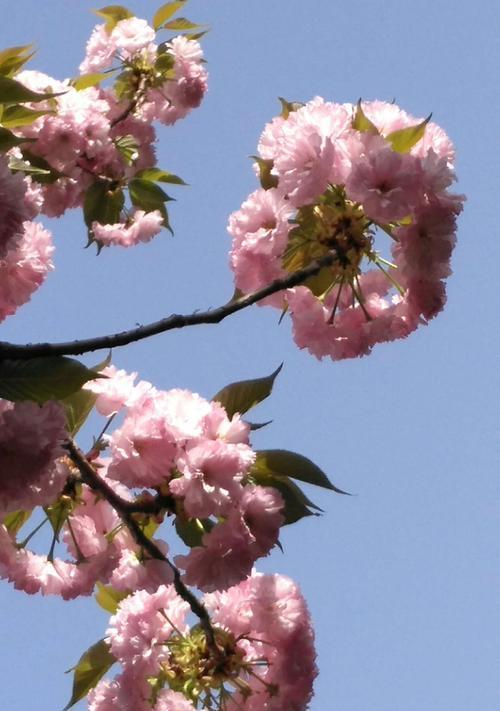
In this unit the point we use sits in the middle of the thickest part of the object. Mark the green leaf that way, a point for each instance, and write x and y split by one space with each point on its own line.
196 35
160 176
402 141
362 123
79 405
13 59
42 379
288 106
113 14
181 23
13 92
284 463
103 204
297 504
258 425
128 148
165 12
108 598
241 396
148 196
14 521
267 179
14 116
91 667
191 531
8 140
58 514
39 169
87 80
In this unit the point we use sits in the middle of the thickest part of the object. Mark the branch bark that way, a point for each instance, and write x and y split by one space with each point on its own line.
175 321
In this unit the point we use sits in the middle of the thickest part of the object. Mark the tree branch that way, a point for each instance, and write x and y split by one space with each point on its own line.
175 321
90 477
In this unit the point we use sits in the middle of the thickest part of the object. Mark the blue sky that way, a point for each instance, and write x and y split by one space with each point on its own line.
403 579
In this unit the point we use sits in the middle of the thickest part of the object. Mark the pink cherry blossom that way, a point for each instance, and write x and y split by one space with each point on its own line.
140 227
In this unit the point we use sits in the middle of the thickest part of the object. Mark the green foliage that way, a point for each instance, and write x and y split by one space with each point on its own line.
13 59
241 396
165 12
15 520
91 667
297 504
404 139
284 463
128 148
181 23
362 123
108 598
288 106
13 92
160 176
8 140
148 196
87 80
80 404
14 116
42 379
267 179
191 531
103 203
113 14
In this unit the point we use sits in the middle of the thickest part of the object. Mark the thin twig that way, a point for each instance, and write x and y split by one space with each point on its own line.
94 481
115 340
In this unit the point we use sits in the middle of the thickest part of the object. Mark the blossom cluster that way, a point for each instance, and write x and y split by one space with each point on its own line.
335 177
86 144
264 661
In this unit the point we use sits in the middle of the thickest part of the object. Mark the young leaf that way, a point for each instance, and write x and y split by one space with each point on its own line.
8 140
42 379
147 196
160 176
297 504
13 92
13 59
103 204
241 396
403 140
58 513
14 521
190 531
362 123
128 147
91 667
288 106
267 179
87 80
113 14
181 23
79 405
14 116
108 598
165 12
283 463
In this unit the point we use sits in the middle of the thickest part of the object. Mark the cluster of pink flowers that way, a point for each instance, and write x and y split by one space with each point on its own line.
25 247
88 138
263 634
336 175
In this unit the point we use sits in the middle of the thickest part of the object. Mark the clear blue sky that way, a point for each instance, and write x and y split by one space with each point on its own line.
403 579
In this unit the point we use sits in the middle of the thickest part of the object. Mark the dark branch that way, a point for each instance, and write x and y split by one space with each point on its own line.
115 340
90 477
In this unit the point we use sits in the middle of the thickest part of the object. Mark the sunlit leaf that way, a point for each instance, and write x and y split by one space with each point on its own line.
79 405
128 148
42 379
12 59
15 520
362 123
108 598
165 12
87 80
404 139
113 14
181 23
160 176
267 179
245 394
14 116
13 92
288 106
284 463
91 667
